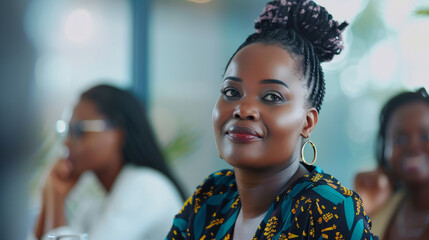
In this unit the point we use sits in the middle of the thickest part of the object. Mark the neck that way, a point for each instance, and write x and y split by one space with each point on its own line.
107 175
418 197
259 188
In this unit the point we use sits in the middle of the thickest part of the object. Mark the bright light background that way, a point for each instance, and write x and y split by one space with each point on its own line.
79 43
84 42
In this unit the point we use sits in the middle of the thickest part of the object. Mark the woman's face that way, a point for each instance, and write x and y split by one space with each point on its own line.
407 143
92 150
262 113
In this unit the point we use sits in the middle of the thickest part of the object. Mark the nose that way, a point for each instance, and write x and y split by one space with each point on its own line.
246 111
415 145
67 142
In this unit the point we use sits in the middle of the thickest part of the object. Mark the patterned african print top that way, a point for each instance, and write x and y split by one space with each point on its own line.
316 206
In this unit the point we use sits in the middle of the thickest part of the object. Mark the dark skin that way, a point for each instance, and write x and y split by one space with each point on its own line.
375 189
407 148
260 121
100 152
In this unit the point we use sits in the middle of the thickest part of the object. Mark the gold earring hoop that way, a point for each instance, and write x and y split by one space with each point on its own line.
314 149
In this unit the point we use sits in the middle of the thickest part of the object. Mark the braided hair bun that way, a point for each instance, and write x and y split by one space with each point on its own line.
308 31
307 19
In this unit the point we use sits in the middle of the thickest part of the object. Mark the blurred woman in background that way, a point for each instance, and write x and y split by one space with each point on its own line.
398 191
109 134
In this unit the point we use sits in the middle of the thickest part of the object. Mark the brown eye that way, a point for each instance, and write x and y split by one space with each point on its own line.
401 140
272 97
230 92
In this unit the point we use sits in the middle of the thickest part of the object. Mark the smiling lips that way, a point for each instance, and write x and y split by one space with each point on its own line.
414 164
242 134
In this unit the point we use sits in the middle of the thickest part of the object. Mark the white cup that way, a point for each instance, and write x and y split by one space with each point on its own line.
68 237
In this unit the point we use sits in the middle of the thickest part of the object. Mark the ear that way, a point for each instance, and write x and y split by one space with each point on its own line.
310 122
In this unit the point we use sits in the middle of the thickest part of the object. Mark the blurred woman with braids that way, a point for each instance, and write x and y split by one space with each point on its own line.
109 134
403 159
271 95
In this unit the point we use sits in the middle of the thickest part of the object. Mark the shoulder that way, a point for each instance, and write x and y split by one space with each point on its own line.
216 188
216 191
324 193
323 187
382 217
331 204
142 177
330 196
218 179
330 189
136 186
216 183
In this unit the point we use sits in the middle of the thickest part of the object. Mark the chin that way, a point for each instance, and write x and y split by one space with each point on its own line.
77 172
244 162
416 180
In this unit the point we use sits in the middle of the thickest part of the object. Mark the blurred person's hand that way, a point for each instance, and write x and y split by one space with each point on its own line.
60 181
58 185
374 188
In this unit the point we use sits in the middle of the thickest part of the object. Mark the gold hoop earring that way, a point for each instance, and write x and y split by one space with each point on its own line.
314 149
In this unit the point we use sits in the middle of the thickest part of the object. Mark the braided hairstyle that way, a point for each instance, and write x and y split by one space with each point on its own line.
386 113
305 29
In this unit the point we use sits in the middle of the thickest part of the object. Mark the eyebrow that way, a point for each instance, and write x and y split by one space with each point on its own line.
237 79
264 81
268 81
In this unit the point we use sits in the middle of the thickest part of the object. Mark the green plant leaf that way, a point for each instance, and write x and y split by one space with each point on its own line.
422 12
181 146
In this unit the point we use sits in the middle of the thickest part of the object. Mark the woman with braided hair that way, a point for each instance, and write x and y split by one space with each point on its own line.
271 95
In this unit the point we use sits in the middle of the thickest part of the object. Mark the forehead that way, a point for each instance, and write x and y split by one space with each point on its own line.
410 116
263 61
86 110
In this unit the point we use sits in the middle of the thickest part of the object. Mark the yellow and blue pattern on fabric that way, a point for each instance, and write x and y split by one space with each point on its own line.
316 206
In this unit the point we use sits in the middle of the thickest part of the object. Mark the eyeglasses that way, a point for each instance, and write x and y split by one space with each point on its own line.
78 128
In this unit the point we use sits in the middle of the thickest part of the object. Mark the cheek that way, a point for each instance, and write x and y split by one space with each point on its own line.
221 113
90 150
388 151
392 152
216 116
285 128
394 156
108 145
284 132
95 151
84 154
